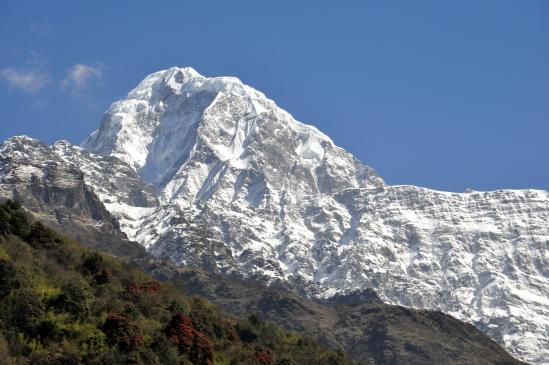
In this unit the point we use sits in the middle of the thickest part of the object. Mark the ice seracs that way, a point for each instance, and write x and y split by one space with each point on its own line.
233 183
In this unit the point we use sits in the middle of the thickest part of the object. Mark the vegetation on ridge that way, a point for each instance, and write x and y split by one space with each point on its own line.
61 303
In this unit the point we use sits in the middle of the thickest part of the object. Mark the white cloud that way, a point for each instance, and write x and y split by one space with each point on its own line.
80 76
44 30
26 79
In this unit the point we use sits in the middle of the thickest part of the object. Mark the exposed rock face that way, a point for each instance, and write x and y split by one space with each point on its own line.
237 185
50 182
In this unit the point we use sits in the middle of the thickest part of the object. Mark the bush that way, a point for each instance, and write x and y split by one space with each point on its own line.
286 361
74 299
5 226
42 236
205 318
167 352
13 220
25 309
247 332
123 332
190 342
93 264
150 288
104 277
264 356
8 278
178 306
130 311
5 356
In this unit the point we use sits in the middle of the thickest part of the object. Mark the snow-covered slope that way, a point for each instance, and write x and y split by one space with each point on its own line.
243 187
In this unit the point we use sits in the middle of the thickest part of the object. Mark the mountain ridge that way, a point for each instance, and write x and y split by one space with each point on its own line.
239 186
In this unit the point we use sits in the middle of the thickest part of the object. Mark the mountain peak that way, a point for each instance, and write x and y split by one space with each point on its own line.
177 120
22 146
187 80
21 139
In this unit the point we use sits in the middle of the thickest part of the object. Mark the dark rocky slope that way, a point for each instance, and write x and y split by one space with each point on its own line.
55 192
368 330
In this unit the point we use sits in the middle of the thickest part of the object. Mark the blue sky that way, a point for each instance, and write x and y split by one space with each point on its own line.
443 94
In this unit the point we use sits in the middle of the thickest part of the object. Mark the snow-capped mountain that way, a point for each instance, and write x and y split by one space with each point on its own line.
209 172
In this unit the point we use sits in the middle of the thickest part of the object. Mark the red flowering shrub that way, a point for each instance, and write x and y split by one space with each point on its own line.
264 357
202 351
150 287
180 330
189 341
122 331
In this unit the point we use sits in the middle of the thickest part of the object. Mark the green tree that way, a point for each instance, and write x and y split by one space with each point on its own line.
8 278
42 236
25 309
13 220
74 299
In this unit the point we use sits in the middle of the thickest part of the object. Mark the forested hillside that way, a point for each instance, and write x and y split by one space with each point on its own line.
61 303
